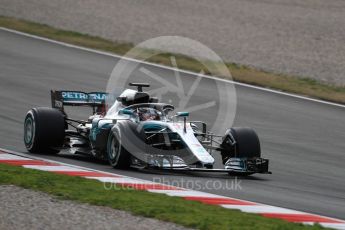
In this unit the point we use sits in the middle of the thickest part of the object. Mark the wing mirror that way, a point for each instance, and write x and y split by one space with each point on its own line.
126 111
182 114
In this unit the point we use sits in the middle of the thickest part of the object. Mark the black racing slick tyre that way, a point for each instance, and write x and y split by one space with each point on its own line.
240 142
44 130
117 155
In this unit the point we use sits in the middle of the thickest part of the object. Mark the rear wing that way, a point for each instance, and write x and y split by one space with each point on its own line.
61 98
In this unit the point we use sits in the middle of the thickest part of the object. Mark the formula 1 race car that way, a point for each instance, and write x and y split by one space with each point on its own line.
138 131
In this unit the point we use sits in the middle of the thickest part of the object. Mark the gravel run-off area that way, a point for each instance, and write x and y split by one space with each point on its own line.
298 37
26 209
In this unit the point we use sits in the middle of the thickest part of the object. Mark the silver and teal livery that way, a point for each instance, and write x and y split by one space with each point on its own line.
138 131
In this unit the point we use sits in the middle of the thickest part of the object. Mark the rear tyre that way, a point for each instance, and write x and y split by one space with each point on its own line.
240 142
117 155
44 130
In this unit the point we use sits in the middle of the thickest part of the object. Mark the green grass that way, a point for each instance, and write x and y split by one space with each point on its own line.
292 84
173 209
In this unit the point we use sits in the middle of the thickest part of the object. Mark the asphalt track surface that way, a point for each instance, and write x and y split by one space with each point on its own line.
300 38
303 139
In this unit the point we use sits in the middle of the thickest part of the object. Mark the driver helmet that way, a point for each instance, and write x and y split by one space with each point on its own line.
148 114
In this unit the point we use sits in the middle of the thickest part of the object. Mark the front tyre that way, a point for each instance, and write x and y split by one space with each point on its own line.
240 142
118 156
44 130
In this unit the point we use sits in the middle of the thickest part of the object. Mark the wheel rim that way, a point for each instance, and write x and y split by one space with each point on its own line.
114 150
29 131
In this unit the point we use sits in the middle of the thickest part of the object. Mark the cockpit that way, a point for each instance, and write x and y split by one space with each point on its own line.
140 105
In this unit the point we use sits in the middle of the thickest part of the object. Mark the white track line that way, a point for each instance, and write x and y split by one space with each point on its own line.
250 207
172 68
261 209
11 157
330 225
120 180
185 193
57 168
